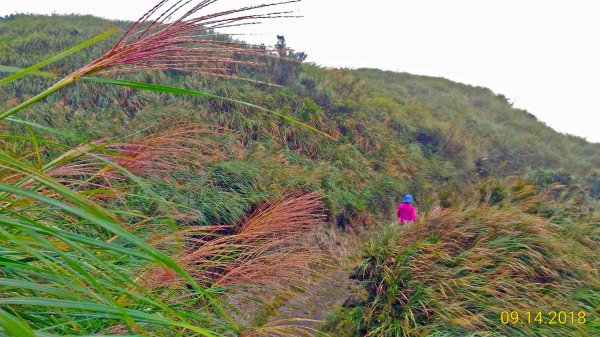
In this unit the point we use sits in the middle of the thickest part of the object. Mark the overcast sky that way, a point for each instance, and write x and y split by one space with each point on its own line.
542 54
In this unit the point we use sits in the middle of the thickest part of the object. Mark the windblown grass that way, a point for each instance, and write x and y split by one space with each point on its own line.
77 260
268 254
145 234
171 36
66 256
455 271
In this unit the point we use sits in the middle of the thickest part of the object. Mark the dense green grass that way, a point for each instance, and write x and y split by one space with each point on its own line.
416 131
92 242
454 272
89 238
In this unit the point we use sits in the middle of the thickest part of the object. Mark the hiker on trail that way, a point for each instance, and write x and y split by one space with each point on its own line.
406 211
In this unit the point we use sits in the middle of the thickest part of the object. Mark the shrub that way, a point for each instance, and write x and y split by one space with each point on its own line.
430 140
543 178
593 183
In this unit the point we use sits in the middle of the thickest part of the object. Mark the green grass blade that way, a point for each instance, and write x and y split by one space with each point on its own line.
14 326
22 284
101 308
94 213
36 148
56 87
37 140
72 137
180 91
59 233
57 57
13 70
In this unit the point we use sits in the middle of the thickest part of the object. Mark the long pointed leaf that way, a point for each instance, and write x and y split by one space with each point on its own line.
88 210
13 70
14 326
180 91
101 308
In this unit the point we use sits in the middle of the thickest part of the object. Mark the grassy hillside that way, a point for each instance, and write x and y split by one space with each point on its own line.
485 268
403 132
499 134
200 165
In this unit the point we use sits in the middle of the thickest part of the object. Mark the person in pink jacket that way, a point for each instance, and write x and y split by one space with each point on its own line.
406 211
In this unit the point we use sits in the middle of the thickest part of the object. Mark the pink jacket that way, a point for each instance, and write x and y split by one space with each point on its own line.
406 213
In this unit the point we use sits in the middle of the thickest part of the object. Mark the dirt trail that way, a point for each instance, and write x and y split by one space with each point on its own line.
328 293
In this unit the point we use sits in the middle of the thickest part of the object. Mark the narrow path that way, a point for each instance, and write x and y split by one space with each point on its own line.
328 293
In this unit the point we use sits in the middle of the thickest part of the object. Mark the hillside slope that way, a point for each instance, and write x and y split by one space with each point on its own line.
505 136
396 132
507 203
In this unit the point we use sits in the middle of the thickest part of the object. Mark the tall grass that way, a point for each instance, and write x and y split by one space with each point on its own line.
57 236
454 272
77 261
400 134
170 37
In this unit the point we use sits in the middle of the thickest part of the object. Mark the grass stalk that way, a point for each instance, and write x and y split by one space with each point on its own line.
56 87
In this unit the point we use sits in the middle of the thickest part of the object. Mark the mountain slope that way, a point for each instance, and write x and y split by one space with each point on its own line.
505 135
462 151
397 132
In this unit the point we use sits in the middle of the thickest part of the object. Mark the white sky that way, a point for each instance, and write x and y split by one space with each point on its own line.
542 54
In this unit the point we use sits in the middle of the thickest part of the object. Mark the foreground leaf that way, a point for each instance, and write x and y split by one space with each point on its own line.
180 91
13 70
14 326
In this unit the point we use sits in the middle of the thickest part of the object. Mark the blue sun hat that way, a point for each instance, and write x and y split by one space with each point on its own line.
407 198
